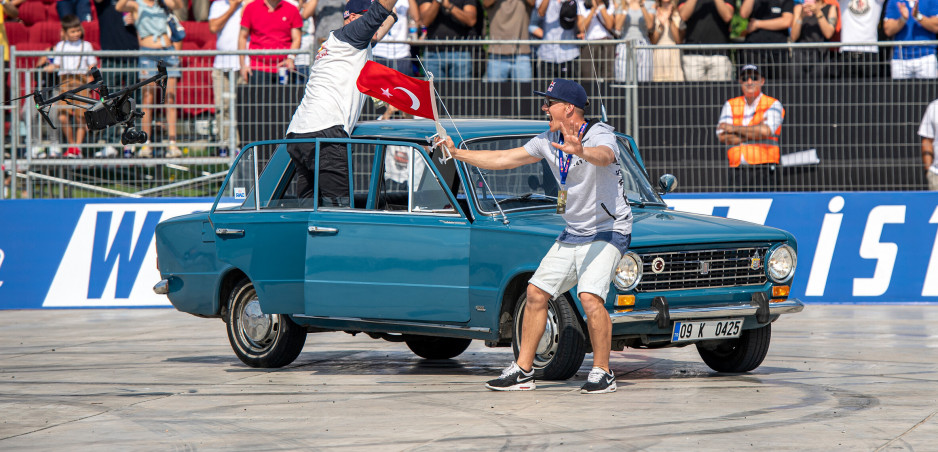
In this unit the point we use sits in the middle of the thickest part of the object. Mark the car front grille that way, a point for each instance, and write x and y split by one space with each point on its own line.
702 269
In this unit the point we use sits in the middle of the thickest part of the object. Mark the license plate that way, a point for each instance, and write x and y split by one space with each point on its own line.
706 329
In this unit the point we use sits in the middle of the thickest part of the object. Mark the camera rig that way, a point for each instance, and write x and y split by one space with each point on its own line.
117 108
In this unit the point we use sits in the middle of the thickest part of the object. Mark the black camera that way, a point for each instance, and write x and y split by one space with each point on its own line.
110 112
133 136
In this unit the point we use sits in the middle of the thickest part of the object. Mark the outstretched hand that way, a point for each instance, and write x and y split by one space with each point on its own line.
571 141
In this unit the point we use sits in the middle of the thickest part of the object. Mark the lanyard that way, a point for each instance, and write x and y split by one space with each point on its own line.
564 164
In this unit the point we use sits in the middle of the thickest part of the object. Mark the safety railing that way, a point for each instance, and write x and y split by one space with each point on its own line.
851 123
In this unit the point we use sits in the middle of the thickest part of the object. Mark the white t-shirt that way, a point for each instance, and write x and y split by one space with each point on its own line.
397 33
595 30
590 187
73 64
227 38
332 96
929 127
859 19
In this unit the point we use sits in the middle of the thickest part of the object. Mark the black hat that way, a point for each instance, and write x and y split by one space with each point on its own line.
568 14
750 68
356 7
567 91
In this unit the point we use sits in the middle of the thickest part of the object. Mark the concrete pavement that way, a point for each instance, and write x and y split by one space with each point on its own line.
836 377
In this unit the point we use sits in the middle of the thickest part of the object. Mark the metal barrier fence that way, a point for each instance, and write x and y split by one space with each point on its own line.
850 125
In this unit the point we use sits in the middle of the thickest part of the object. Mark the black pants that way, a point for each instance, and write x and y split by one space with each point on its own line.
333 166
748 178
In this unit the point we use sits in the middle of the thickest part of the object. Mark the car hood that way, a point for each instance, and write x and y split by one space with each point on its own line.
657 227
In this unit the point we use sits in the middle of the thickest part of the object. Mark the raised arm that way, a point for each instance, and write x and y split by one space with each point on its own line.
215 25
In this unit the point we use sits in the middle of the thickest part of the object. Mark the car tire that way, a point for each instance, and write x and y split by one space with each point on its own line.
437 347
261 340
737 355
562 348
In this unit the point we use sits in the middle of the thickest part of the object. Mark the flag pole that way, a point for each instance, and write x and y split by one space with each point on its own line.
440 131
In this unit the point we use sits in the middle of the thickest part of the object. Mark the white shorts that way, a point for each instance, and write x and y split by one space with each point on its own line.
589 266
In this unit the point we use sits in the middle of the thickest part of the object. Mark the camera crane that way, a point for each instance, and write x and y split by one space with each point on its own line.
117 108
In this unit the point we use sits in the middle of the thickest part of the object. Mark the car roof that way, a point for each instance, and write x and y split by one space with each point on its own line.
419 129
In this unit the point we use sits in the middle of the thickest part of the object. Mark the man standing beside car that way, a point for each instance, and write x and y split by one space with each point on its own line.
582 157
332 102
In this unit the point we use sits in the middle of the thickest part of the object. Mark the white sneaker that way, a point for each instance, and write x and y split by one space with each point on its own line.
55 151
173 151
145 151
106 152
38 152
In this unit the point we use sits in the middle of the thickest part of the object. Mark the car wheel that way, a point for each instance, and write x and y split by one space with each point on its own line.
261 340
737 355
562 347
437 347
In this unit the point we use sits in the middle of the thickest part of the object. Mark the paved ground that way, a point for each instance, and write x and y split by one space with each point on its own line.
837 377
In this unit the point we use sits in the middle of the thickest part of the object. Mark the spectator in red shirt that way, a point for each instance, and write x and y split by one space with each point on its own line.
270 24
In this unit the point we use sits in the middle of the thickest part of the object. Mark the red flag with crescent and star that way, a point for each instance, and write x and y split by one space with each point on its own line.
408 94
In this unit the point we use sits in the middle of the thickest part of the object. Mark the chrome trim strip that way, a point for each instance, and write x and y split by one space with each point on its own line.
789 306
226 231
390 322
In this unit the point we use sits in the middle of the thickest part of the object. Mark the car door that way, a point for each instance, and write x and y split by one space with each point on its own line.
265 235
400 252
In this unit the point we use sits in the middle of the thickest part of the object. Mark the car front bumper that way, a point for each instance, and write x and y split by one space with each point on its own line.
789 306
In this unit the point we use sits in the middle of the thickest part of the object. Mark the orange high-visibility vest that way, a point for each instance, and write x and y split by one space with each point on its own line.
755 152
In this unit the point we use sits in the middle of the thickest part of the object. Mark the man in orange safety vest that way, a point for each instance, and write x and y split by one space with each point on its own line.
749 126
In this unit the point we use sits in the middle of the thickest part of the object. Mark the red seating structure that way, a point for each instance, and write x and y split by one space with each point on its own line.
33 12
46 32
16 33
40 30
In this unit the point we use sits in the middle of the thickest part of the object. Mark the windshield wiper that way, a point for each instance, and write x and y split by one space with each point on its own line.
528 197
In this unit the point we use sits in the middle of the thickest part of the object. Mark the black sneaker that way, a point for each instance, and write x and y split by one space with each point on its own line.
599 382
513 379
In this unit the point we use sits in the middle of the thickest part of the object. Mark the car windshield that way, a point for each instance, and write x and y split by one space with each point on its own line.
534 186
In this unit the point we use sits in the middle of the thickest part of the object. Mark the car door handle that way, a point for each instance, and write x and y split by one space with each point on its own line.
226 231
322 230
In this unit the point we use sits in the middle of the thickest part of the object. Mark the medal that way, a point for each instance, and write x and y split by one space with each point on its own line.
563 167
562 200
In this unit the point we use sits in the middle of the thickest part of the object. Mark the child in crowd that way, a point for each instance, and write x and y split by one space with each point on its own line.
73 72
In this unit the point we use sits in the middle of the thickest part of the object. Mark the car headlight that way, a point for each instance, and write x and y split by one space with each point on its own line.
628 272
780 263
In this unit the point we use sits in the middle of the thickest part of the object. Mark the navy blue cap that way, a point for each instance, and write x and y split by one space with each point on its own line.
750 68
566 91
356 7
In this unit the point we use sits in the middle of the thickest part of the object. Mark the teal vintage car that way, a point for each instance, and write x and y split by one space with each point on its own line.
436 253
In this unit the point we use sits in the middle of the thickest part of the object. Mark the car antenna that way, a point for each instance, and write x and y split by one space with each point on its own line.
599 88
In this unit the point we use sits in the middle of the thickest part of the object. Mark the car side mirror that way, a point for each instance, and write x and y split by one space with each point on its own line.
666 184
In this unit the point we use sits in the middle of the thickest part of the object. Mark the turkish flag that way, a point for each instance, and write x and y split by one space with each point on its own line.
406 93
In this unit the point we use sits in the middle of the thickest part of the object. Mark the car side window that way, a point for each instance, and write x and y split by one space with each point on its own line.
527 186
361 167
408 184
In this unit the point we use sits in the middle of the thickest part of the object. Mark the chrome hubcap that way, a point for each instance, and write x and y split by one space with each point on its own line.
547 346
256 325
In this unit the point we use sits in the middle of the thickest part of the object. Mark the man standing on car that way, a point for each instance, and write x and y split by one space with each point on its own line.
332 103
582 156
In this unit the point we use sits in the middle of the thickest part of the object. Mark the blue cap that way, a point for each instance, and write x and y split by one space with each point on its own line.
356 7
750 68
566 91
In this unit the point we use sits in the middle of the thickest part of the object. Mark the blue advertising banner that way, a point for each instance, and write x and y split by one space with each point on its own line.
852 247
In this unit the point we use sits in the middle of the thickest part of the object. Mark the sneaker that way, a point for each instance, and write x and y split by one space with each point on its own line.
55 151
172 151
513 379
599 381
73 153
145 151
106 152
223 152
